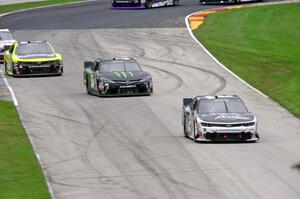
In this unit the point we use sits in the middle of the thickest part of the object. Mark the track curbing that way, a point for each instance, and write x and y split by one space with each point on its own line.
187 23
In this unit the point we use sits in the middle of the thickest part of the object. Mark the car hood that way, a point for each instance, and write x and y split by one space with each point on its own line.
124 76
226 117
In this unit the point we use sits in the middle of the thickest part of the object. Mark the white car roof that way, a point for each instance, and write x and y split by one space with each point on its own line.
4 30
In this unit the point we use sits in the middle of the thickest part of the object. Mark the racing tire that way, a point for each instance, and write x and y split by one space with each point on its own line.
87 85
98 90
194 134
149 4
184 128
176 2
5 67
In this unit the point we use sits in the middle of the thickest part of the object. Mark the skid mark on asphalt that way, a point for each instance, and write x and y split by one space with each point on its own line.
178 84
126 136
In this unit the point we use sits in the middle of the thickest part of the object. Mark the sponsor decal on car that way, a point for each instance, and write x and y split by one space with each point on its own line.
36 56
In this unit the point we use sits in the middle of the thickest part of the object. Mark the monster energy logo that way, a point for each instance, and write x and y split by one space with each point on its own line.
124 74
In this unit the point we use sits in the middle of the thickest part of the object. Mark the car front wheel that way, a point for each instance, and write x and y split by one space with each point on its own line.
194 133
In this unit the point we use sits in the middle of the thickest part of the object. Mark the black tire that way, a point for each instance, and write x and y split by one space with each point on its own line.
5 67
194 136
87 84
149 4
176 2
184 128
98 90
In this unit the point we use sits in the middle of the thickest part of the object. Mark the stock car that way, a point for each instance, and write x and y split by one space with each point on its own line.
218 118
116 77
6 40
32 58
141 4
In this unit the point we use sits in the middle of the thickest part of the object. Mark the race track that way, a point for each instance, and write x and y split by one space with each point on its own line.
133 147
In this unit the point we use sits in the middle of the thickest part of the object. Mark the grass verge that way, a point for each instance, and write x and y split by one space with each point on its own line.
261 45
20 172
21 6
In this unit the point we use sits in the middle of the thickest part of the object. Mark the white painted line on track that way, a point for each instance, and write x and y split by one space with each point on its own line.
12 94
50 189
214 58
15 101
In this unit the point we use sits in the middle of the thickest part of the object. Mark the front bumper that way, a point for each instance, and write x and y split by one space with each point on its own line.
230 134
228 137
38 71
119 89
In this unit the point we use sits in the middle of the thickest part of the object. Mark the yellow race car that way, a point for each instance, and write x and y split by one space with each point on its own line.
34 58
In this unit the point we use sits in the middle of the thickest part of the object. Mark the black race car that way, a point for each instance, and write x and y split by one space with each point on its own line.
218 118
117 76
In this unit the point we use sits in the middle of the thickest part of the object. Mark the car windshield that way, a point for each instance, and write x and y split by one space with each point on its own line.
34 49
6 36
119 66
221 106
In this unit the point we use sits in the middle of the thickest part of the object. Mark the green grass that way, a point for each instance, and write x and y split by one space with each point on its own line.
262 46
21 6
20 172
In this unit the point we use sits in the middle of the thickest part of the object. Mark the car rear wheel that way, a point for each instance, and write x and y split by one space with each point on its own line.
87 84
149 4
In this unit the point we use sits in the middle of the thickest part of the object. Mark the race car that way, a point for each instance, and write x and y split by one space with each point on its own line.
34 58
218 118
6 40
141 4
117 76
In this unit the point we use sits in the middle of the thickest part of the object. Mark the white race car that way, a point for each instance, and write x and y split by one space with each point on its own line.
218 118
6 40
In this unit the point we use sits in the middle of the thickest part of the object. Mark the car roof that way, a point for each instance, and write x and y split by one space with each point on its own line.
4 30
212 97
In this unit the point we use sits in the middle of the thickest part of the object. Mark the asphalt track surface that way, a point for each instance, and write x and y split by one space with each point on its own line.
133 147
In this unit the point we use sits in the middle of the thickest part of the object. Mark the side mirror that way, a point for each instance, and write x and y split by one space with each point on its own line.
187 109
88 64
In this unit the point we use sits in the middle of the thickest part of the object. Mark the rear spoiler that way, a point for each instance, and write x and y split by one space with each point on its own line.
88 64
187 101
